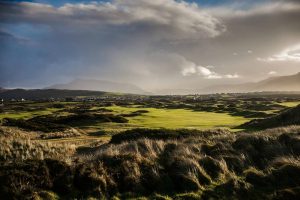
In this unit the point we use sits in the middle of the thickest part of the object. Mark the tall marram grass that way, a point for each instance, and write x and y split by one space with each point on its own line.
183 164
18 146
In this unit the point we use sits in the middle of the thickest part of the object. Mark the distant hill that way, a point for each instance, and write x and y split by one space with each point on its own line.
99 85
286 118
45 94
279 83
174 91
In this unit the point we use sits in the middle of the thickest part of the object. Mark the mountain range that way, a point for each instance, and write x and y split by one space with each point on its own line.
99 85
85 87
276 83
43 94
289 83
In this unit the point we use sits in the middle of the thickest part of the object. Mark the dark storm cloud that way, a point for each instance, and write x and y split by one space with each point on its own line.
161 14
155 44
87 39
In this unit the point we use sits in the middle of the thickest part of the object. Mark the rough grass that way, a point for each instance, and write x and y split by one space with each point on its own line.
199 165
287 117
162 134
20 146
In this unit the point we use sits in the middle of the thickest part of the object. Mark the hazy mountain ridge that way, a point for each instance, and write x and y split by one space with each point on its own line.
46 93
99 85
79 86
278 83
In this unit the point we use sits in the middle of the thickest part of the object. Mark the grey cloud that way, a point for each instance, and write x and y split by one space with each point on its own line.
179 18
265 8
148 43
291 53
264 33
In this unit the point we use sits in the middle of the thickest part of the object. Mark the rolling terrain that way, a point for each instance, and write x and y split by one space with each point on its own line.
151 147
278 83
288 117
99 85
36 94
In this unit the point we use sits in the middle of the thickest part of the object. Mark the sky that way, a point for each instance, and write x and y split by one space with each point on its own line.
156 45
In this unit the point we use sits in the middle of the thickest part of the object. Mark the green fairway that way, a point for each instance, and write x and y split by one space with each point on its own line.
290 104
27 114
174 119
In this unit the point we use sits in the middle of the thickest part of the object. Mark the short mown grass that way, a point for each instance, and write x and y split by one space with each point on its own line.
177 118
27 114
290 104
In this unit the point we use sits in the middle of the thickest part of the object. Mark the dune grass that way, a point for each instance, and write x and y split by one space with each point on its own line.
207 165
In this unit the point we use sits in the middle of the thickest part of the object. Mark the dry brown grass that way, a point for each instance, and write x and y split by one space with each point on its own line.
18 145
210 165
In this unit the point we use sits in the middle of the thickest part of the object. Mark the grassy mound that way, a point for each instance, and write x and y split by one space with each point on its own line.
51 123
160 164
159 134
286 118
